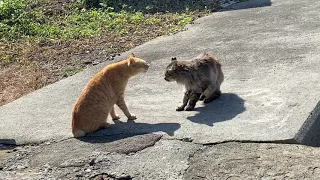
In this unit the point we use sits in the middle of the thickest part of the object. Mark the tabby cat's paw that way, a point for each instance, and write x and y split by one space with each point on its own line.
206 101
180 108
202 97
209 100
132 117
189 108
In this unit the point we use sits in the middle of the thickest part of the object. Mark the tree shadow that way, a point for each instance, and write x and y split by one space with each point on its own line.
228 106
176 6
245 5
121 130
159 6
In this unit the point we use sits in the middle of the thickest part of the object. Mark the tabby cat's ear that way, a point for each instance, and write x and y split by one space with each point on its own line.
132 55
173 59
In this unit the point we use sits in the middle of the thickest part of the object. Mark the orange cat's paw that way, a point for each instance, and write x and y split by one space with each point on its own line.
132 117
116 118
105 125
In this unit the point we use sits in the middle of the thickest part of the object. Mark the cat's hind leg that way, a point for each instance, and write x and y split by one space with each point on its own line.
194 97
217 92
212 94
206 93
113 114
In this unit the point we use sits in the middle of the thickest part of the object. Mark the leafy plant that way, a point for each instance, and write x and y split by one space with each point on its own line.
15 19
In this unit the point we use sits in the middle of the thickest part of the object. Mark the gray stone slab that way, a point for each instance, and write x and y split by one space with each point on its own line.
270 58
254 161
64 153
166 159
74 159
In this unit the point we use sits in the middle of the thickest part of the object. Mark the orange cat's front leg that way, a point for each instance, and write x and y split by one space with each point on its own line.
113 114
122 105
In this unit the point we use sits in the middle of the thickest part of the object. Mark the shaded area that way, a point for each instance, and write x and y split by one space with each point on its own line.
174 6
129 137
247 5
7 144
122 130
309 133
148 6
123 144
228 106
7 141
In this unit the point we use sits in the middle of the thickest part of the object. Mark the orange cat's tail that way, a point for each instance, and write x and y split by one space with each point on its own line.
78 133
75 131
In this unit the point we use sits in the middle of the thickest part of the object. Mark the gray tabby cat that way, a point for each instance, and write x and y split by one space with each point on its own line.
201 76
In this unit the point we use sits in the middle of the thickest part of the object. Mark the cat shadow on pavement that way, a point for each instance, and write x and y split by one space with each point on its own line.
121 130
226 107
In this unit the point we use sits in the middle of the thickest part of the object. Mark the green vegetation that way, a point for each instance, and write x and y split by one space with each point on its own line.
71 70
24 19
15 19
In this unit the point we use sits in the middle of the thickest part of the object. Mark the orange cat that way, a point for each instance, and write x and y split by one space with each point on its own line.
100 95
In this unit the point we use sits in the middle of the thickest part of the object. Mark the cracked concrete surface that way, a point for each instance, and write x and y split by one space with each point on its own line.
155 159
255 161
54 154
164 158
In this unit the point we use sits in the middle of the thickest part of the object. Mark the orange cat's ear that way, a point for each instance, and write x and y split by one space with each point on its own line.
131 61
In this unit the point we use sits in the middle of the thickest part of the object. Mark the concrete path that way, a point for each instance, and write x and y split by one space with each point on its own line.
270 58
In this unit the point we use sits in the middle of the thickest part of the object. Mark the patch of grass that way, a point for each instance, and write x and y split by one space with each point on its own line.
71 70
15 19
33 26
20 21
